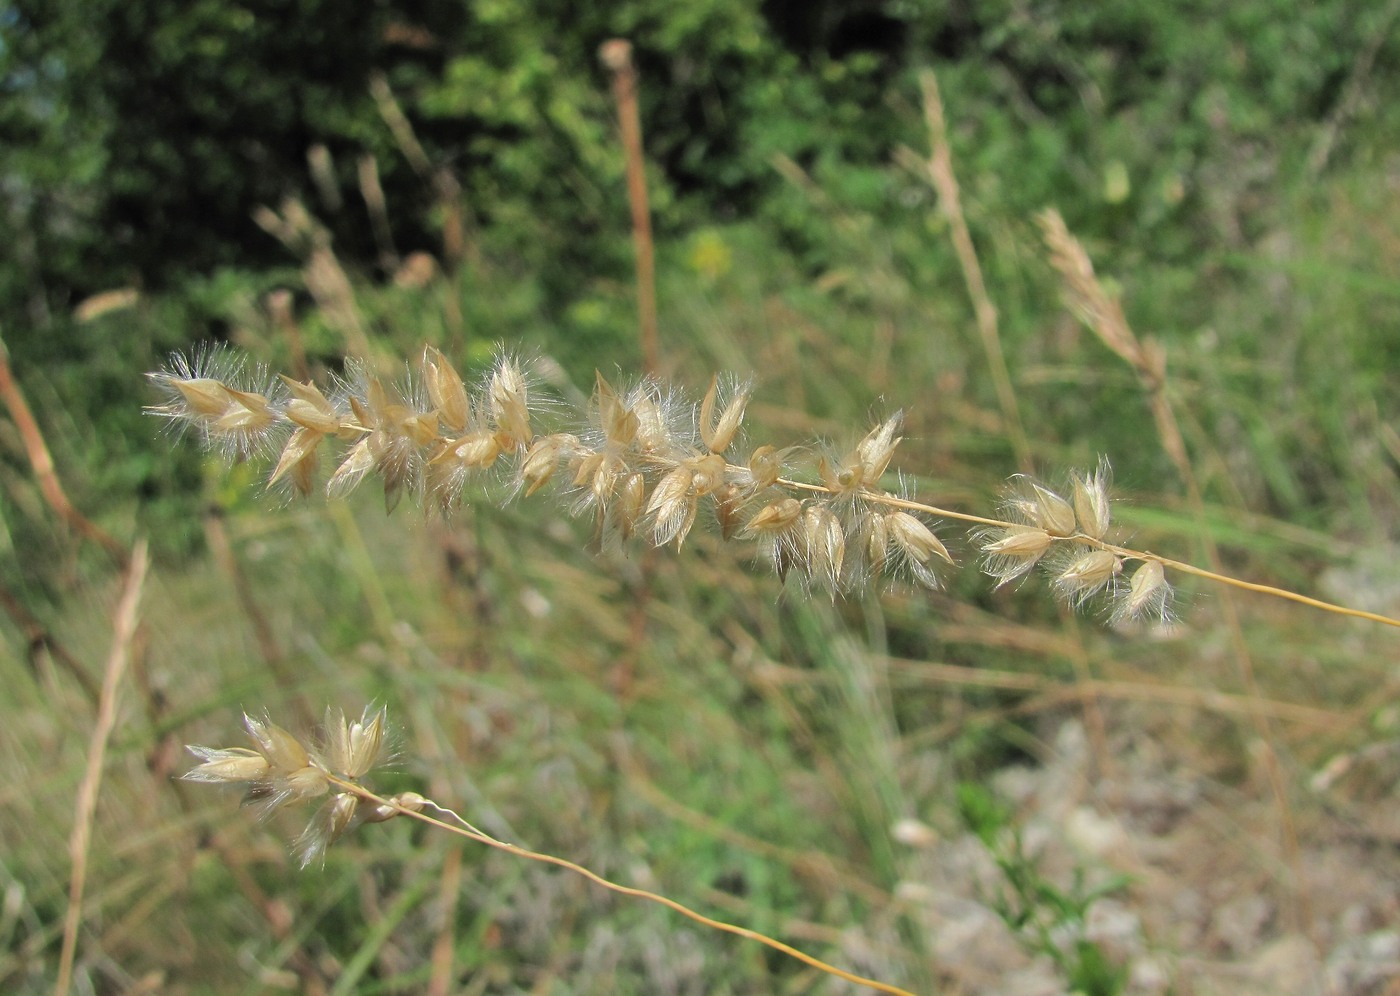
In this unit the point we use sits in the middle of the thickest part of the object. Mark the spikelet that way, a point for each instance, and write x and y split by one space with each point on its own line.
718 428
823 546
446 391
863 467
1146 596
778 528
1091 510
912 548
542 459
672 505
233 405
351 748
1082 575
508 397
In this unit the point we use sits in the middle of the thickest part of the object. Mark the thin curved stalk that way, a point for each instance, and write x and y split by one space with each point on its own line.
472 833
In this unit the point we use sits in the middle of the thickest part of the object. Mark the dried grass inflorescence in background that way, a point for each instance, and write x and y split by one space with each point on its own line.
645 461
283 769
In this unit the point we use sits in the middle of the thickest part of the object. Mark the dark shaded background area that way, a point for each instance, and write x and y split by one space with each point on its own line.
138 136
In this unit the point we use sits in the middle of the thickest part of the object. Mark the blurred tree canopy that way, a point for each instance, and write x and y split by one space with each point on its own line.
136 136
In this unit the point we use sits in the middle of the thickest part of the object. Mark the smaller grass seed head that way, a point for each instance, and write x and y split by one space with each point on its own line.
283 769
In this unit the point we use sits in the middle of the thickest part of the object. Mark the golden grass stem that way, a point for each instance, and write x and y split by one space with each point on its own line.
1122 551
1260 589
80 841
472 833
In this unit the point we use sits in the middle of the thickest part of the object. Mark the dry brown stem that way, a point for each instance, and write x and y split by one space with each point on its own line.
123 632
940 172
42 461
375 203
616 55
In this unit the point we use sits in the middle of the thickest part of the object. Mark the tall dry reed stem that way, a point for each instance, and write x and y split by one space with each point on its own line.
616 56
945 182
123 632
282 769
643 461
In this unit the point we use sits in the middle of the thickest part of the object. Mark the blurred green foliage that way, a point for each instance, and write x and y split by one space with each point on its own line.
1050 919
138 136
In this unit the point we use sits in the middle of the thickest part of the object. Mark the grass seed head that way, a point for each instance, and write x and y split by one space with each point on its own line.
284 770
236 407
644 457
